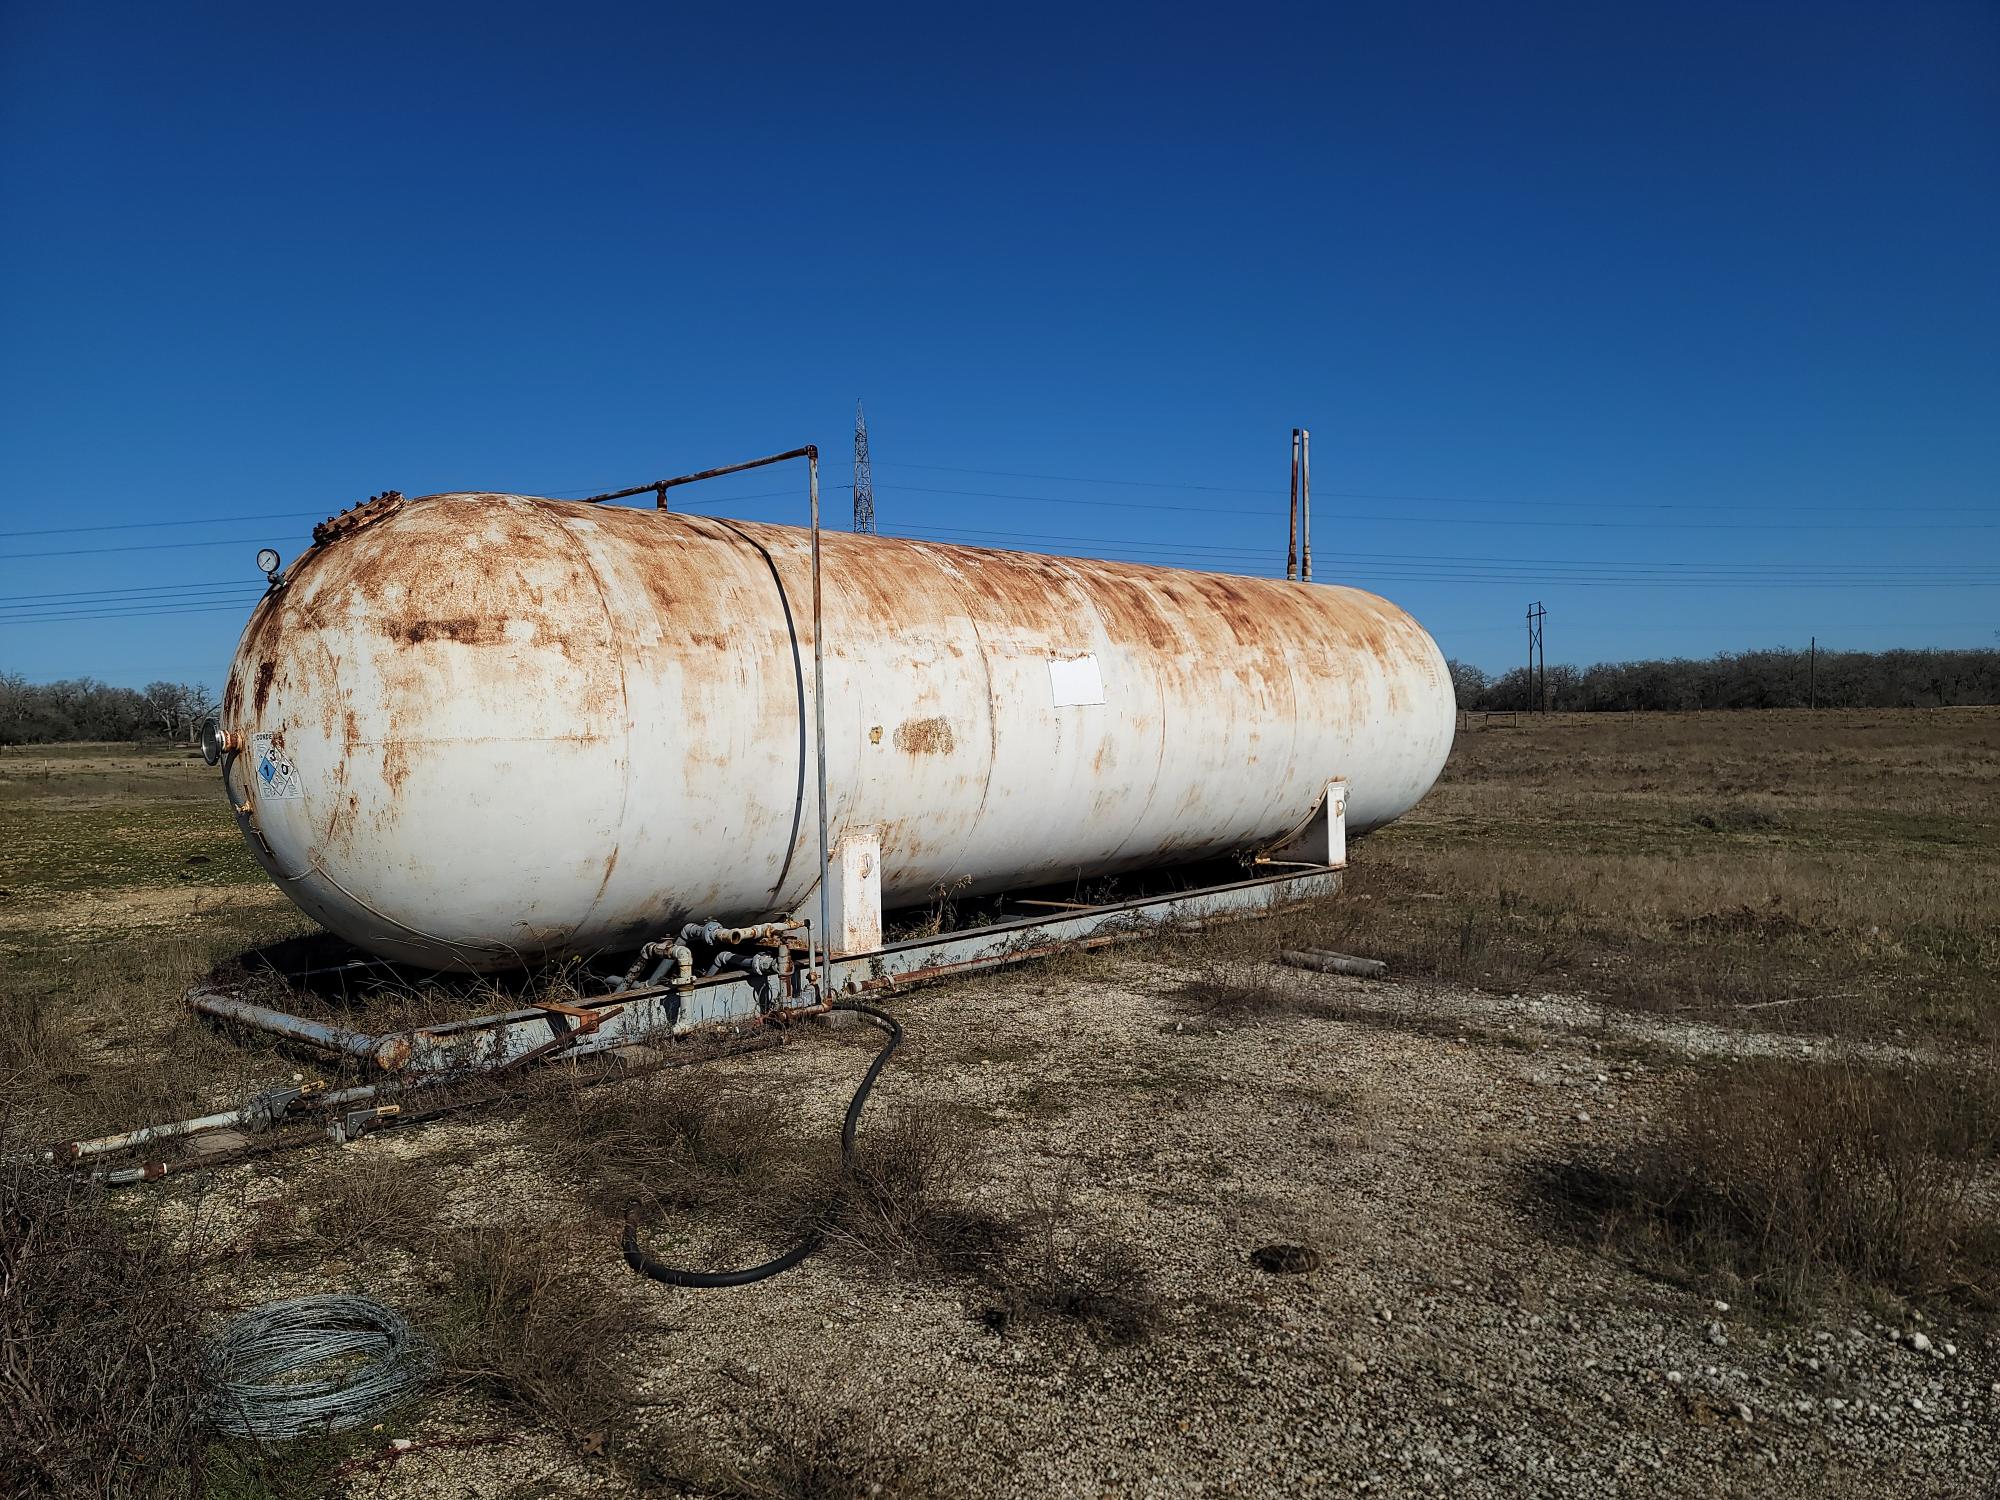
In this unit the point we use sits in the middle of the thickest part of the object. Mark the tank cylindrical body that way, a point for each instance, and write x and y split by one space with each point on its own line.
484 729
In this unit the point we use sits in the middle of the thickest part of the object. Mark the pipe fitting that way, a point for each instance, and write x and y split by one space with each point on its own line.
742 963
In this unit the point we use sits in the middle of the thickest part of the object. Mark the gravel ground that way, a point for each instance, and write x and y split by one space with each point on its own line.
1451 1340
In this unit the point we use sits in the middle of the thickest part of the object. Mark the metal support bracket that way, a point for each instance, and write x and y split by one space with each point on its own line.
1319 841
857 893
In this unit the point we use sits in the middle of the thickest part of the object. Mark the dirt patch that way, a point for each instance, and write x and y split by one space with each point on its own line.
129 908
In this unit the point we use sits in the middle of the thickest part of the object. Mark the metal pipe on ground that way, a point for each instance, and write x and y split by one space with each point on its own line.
1325 962
252 1116
292 1028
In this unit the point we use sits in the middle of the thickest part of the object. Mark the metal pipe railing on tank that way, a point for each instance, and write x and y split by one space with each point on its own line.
816 943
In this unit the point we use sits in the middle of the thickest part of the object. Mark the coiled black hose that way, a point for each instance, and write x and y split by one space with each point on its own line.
646 1264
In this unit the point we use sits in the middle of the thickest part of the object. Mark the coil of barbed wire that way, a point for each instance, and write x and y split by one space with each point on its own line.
312 1365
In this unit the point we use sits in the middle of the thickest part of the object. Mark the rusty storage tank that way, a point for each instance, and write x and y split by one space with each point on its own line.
478 729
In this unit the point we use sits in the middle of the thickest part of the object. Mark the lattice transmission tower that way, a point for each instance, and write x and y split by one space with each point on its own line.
864 481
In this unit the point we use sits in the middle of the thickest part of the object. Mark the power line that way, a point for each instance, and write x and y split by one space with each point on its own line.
285 515
142 588
1429 558
1257 491
193 609
52 611
1452 520
1249 492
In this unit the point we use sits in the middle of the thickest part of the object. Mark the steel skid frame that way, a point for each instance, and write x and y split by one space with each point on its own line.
650 1014
763 976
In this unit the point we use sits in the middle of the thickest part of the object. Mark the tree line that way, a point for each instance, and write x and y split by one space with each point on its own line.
1775 678
82 708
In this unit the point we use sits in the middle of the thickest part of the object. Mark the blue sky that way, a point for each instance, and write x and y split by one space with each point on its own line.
1682 318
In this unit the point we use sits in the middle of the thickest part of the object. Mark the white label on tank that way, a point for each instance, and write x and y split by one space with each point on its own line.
1076 682
275 776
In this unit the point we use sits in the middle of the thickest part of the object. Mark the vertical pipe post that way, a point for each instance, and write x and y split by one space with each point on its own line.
1292 548
819 735
1306 503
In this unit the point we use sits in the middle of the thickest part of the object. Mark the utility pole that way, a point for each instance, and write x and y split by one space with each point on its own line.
864 479
1292 551
1306 504
1812 674
1538 661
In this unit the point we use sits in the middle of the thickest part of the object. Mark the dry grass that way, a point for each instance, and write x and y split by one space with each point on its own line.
798 1441
820 1449
1222 993
1829 871
1788 1179
1838 871
904 1203
370 1203
101 1358
526 1320
97 1037
1061 1273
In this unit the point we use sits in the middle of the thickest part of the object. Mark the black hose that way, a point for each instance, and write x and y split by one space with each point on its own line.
646 1264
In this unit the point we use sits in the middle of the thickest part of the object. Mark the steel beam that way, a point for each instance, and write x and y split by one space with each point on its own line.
658 1011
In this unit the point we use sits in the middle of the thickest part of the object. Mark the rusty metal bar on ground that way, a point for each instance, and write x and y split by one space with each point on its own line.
318 1115
733 997
1326 962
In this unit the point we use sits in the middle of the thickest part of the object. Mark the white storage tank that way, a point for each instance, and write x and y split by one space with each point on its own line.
479 729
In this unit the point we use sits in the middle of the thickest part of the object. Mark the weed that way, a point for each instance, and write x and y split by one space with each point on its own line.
526 1320
1791 1178
820 1450
943 913
1736 817
1060 1273
1236 994
799 1442
101 1358
680 1139
369 1202
903 1200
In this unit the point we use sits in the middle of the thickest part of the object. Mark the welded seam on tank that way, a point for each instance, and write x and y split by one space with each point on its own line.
799 681
561 525
395 927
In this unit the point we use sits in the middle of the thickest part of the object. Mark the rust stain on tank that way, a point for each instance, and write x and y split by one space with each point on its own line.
466 631
261 693
610 864
925 736
395 764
